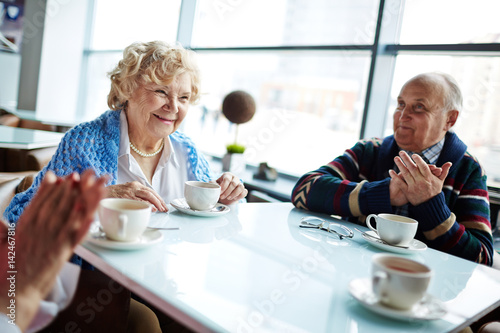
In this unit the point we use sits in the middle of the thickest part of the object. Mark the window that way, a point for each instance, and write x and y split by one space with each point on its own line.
116 24
309 105
284 22
306 65
322 72
450 22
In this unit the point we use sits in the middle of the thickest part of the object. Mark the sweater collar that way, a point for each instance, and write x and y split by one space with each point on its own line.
453 150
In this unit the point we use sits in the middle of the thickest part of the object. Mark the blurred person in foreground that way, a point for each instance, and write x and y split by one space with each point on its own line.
422 171
137 142
36 279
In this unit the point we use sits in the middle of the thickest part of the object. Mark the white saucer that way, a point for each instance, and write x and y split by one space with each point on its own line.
414 246
181 205
148 238
429 308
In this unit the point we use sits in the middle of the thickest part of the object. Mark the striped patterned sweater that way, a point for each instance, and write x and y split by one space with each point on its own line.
356 184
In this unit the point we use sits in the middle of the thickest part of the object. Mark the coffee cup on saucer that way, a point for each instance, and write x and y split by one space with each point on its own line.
399 282
124 220
394 229
201 195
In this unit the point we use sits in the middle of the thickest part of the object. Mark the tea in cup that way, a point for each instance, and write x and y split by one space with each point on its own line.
394 229
201 195
124 220
399 282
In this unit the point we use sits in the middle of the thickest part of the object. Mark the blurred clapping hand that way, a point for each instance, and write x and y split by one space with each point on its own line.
44 238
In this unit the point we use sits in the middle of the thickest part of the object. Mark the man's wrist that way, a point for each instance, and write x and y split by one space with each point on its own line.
433 211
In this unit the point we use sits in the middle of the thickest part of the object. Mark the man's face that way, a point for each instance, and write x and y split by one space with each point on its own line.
419 120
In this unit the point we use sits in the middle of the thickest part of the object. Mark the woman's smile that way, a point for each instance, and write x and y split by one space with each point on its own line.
164 120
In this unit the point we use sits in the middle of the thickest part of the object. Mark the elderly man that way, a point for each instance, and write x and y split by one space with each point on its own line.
422 171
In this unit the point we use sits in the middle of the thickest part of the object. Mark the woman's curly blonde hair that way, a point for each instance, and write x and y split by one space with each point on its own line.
151 62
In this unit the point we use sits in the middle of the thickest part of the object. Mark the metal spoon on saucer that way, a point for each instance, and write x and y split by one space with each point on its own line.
379 240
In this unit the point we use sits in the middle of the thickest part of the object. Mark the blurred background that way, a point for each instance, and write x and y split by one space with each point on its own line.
323 73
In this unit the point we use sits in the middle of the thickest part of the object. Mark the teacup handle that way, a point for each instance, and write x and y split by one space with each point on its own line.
368 222
379 284
122 225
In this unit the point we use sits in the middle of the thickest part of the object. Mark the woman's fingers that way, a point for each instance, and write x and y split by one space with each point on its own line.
224 181
231 188
152 197
228 182
137 191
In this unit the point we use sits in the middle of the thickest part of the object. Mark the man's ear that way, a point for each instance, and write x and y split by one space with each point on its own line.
451 119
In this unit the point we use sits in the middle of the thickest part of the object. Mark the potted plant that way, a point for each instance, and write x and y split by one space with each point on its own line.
234 160
238 107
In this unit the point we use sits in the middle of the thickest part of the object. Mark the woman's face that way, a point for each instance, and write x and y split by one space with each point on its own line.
155 111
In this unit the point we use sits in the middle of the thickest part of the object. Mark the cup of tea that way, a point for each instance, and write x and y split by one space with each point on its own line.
123 220
201 195
394 229
399 282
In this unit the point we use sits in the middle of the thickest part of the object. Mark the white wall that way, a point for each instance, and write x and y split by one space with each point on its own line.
61 58
10 64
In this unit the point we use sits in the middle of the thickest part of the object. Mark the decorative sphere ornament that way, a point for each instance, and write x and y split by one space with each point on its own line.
238 107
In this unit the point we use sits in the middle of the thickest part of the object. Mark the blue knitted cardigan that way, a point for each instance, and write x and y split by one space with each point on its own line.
95 145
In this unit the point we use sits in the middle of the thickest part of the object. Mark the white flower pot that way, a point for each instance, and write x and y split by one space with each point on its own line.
234 163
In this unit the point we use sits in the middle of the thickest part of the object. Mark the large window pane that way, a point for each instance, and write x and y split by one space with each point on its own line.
450 22
118 23
97 83
309 105
479 80
284 22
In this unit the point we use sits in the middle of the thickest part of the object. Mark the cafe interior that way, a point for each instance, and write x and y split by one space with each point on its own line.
311 79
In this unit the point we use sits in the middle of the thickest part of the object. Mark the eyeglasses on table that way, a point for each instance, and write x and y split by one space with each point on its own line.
331 227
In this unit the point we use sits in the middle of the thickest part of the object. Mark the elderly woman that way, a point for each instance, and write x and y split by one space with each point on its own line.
137 142
138 145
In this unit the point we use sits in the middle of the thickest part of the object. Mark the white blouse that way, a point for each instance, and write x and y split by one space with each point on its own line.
170 174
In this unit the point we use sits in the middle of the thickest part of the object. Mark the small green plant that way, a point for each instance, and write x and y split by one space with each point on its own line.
235 149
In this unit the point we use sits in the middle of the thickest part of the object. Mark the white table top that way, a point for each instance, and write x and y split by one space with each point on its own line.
66 121
22 138
255 270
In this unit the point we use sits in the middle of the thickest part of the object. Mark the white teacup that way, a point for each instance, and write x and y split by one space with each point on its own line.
201 195
399 282
124 220
394 229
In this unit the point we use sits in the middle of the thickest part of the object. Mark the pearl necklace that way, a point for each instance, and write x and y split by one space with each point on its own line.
146 154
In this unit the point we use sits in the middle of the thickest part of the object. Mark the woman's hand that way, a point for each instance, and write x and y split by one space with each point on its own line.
136 191
231 189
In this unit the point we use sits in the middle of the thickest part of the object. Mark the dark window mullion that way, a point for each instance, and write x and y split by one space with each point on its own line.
289 48
395 48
